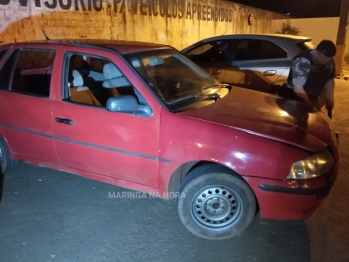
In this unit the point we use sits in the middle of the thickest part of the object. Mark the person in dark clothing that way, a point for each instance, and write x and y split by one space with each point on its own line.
311 76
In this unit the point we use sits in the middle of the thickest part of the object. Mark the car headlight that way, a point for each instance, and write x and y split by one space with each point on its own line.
313 166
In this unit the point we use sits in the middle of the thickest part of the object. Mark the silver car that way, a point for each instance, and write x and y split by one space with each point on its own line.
255 61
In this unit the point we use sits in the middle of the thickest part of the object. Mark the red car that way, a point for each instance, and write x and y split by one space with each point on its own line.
144 117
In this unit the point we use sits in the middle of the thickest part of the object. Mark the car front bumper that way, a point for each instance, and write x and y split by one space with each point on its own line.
291 200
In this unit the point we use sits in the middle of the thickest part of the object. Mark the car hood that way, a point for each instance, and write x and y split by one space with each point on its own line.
269 116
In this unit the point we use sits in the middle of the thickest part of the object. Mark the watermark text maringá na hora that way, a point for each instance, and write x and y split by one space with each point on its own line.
124 194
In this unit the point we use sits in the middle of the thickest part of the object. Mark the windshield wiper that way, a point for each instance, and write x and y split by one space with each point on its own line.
213 96
214 85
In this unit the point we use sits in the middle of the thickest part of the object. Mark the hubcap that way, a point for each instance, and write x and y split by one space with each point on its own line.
216 207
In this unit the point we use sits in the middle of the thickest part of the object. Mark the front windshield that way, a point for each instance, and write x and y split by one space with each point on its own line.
171 75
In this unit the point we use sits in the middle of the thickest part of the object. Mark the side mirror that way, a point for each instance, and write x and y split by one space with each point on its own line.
128 104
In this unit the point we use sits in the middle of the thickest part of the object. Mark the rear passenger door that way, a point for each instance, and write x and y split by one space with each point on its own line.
262 64
25 104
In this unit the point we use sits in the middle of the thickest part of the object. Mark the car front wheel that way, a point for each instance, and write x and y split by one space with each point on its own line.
215 203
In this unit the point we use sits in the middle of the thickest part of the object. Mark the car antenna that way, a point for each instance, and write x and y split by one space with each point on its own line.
226 31
47 38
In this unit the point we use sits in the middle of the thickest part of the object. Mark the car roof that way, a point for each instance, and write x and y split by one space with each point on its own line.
276 36
279 38
121 46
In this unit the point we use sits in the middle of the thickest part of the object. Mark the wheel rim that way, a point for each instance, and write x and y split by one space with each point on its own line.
216 207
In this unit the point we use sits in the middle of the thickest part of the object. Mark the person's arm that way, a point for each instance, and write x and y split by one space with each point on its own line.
300 92
329 89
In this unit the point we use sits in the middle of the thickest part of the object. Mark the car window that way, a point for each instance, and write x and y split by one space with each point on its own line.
2 53
257 50
213 51
172 77
92 80
28 71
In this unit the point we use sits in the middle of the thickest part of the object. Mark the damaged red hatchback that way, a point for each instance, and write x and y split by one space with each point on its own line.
142 116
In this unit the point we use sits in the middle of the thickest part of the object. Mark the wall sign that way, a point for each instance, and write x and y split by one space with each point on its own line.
250 19
181 9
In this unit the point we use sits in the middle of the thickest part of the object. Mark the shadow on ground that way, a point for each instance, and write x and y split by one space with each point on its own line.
50 215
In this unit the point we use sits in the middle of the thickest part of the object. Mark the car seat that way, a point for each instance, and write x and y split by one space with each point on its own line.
113 77
79 92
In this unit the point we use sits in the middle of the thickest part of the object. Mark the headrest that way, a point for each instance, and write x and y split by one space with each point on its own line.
110 71
116 82
78 81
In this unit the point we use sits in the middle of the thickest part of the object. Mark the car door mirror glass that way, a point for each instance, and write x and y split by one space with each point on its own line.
128 104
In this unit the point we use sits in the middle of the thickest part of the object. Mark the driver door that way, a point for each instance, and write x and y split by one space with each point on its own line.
90 138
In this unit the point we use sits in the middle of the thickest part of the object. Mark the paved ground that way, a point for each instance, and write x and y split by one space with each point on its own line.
328 228
49 215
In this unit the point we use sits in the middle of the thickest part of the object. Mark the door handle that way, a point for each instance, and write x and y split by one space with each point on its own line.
216 71
64 121
269 73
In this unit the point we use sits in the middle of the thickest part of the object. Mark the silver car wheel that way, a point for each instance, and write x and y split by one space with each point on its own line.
216 207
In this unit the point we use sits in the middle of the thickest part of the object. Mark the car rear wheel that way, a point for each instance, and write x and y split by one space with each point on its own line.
6 162
215 203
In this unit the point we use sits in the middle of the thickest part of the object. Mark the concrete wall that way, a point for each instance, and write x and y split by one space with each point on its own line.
319 29
175 22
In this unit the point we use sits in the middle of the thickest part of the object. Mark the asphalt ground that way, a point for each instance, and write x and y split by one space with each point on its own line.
48 215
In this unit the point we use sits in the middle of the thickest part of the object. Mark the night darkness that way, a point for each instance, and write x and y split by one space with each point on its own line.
298 8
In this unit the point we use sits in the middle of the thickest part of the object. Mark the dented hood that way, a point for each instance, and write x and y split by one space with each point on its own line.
269 116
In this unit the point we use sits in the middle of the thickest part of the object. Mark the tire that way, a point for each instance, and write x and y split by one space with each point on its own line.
215 203
6 162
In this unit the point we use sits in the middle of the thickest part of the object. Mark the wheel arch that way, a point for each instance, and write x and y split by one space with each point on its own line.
182 171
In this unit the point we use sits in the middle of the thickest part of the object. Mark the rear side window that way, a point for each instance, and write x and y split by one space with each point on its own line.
28 71
258 49
6 71
2 53
30 59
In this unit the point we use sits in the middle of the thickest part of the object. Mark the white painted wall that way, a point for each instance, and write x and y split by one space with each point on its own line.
317 28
